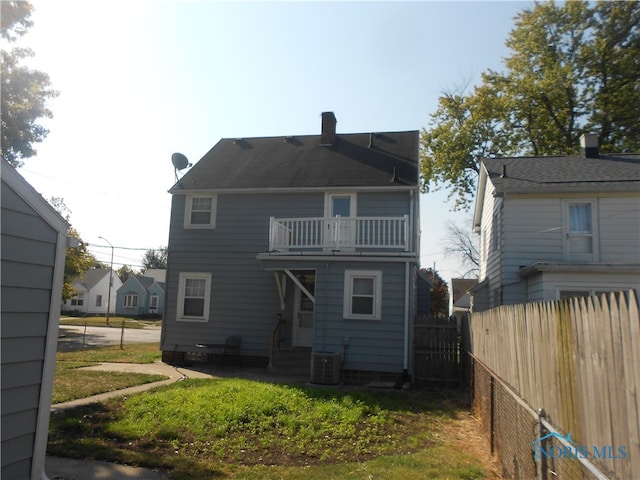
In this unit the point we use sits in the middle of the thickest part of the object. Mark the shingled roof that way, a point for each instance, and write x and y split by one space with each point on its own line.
610 173
388 159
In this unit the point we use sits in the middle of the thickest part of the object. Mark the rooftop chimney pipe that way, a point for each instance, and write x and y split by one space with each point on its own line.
589 145
328 136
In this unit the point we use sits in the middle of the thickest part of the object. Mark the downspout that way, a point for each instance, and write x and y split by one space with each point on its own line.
406 319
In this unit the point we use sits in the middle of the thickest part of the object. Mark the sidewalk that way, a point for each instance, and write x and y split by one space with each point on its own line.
70 469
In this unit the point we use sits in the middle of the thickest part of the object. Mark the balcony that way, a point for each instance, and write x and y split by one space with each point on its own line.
339 234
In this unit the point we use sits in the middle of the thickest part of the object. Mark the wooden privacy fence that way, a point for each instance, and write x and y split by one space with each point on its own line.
577 359
437 353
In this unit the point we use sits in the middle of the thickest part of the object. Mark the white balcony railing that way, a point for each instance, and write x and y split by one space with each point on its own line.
339 234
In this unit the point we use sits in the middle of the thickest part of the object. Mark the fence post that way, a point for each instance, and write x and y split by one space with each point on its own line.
122 336
542 465
492 410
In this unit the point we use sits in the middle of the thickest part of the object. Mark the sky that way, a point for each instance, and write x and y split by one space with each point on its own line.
141 79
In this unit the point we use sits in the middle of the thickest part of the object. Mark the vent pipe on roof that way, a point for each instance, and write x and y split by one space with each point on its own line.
328 136
589 145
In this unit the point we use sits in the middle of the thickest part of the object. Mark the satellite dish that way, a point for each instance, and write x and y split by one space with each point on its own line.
179 161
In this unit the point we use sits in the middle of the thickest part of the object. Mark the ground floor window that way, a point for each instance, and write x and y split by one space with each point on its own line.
130 301
194 294
78 300
362 294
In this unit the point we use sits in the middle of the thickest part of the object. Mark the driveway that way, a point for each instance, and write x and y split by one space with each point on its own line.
71 337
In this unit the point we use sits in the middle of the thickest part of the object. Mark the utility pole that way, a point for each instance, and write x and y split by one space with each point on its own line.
110 280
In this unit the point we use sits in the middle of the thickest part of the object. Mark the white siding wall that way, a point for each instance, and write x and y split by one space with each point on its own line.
619 222
547 286
490 247
532 231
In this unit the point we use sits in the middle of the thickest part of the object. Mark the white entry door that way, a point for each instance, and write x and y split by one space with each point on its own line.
303 314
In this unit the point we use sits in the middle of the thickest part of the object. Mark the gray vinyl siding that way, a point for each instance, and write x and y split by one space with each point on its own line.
28 258
374 345
244 296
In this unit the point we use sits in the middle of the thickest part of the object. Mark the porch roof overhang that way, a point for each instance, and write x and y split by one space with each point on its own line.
270 259
279 276
557 267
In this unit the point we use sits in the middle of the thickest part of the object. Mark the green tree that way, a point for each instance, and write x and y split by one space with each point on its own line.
155 258
78 261
573 69
24 92
125 272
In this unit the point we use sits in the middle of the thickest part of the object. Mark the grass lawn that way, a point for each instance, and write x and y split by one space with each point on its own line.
71 383
203 429
114 322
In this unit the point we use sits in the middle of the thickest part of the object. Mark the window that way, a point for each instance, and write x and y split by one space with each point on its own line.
200 212
496 237
580 241
153 302
98 300
194 294
130 300
78 300
362 294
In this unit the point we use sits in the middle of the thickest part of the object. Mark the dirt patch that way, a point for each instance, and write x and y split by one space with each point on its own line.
465 434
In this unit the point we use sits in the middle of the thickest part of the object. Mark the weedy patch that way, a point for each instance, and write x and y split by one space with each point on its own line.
235 426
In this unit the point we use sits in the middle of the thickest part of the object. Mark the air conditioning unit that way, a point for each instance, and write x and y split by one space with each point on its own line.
326 368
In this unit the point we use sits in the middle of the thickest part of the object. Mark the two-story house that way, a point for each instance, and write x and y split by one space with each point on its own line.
557 226
299 243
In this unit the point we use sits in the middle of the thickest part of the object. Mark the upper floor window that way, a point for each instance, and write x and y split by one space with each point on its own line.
580 238
200 212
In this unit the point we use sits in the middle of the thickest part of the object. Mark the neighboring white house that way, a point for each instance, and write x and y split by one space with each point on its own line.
461 297
557 226
92 289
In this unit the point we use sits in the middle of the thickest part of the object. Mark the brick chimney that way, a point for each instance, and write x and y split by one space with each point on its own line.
328 136
589 145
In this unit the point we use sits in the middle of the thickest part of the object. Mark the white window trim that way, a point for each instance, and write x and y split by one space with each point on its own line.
328 202
566 219
182 280
78 300
128 300
349 276
188 203
153 298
